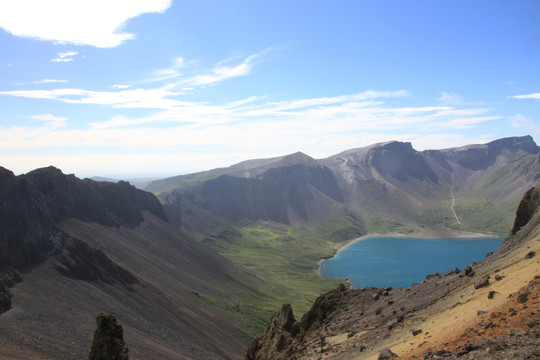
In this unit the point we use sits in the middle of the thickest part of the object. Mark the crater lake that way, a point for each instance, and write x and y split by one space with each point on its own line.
383 261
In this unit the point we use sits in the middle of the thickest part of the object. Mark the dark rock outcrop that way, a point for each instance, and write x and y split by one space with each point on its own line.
80 261
32 206
8 278
108 341
276 337
526 209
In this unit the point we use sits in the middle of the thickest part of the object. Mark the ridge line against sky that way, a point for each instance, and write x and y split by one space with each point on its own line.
143 88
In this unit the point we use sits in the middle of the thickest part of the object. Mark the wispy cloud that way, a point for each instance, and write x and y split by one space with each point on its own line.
97 23
51 121
43 81
171 72
120 86
451 99
250 124
535 96
233 67
65 56
136 98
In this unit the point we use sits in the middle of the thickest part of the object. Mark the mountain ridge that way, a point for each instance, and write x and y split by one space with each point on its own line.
71 249
371 183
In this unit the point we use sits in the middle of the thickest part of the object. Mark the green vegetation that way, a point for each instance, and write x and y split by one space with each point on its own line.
284 257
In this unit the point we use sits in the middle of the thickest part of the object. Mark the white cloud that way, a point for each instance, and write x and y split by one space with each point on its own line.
43 81
136 98
171 72
451 99
65 56
223 72
51 121
49 81
120 86
524 123
333 122
535 96
97 23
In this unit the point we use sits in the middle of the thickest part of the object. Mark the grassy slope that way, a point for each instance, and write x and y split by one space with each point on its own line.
285 257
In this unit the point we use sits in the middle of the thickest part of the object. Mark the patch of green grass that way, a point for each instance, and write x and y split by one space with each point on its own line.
284 257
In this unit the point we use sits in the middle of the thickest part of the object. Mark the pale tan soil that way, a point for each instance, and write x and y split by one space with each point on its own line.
454 319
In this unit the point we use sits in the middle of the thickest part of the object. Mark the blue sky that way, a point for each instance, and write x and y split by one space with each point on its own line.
135 88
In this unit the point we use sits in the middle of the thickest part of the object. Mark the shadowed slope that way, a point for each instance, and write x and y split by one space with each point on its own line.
92 247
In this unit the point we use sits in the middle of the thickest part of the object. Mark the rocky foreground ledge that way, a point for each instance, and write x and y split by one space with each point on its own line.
489 310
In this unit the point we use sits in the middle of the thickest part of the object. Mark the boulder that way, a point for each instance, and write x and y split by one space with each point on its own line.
386 354
482 282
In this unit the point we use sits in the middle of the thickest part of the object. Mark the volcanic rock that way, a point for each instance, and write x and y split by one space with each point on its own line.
108 340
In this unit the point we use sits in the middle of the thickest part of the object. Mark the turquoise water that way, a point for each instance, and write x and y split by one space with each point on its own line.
397 261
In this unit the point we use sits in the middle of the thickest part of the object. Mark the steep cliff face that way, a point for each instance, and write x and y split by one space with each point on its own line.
277 195
32 205
527 209
285 190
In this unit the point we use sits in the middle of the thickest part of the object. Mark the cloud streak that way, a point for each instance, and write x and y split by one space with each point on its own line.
339 122
535 96
96 23
65 56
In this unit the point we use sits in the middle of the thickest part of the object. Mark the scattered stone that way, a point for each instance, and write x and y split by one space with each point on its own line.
522 298
416 332
486 324
481 312
530 255
392 326
390 302
442 352
482 282
533 323
376 297
378 311
457 271
433 276
362 348
469 271
400 318
489 254
108 341
491 294
386 354
471 346
498 277
455 305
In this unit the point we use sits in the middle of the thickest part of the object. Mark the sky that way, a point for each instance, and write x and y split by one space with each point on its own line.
152 88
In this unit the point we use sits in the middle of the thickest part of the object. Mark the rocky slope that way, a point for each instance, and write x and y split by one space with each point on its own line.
387 187
71 249
488 310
